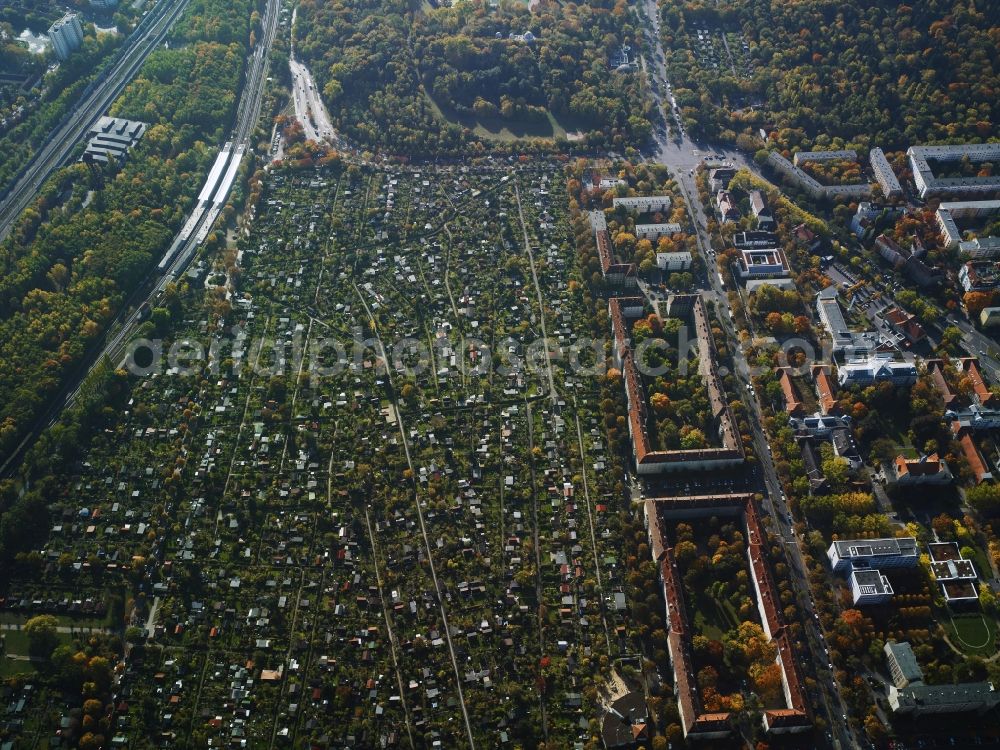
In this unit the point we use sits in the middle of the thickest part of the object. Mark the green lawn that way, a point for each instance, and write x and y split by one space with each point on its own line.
16 644
11 667
64 620
713 617
498 129
975 633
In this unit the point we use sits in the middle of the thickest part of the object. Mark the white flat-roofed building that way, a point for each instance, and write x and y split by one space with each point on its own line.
990 316
981 247
883 173
956 575
677 261
655 231
919 699
892 552
644 205
66 35
927 184
947 214
763 262
869 586
803 156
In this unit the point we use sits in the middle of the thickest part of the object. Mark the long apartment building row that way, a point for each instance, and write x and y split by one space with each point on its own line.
887 179
930 185
947 214
617 274
648 460
695 721
808 183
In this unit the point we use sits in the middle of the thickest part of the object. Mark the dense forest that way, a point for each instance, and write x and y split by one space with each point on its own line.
410 82
93 233
874 73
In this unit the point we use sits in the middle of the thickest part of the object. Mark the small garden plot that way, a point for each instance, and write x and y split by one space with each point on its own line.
732 654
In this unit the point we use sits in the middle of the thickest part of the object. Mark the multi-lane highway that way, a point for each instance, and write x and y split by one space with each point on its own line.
63 139
212 198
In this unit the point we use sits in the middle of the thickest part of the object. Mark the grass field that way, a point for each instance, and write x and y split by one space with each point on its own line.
975 634
16 644
713 617
498 129
14 618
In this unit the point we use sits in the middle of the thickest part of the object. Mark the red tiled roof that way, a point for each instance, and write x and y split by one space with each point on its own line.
971 451
604 250
986 397
905 323
690 705
935 367
793 405
644 453
619 329
929 466
824 389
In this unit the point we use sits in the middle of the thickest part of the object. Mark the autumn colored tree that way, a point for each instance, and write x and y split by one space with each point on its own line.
660 403
975 302
766 680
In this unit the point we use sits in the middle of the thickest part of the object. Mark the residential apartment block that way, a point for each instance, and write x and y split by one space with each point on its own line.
808 183
929 185
644 205
981 248
66 35
887 179
948 213
655 231
675 261
803 156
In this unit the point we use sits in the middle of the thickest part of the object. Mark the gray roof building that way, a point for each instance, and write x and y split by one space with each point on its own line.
902 664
